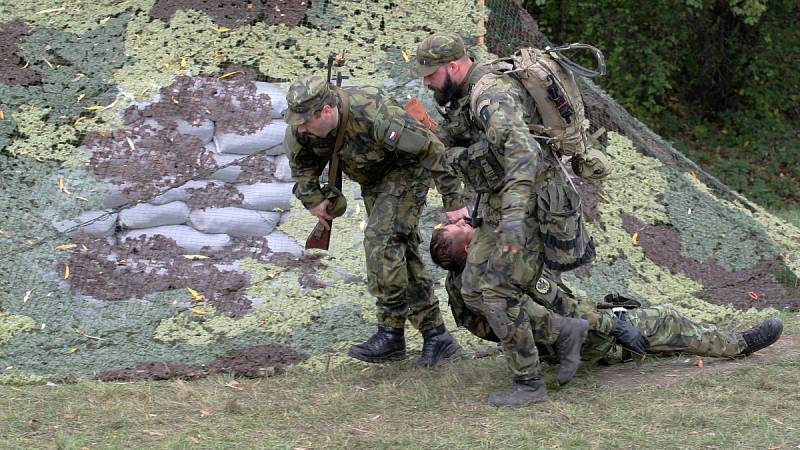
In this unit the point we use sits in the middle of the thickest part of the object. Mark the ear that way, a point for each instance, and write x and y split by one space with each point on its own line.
453 67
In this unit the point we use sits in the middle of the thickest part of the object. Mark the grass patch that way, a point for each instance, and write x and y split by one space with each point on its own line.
397 406
790 214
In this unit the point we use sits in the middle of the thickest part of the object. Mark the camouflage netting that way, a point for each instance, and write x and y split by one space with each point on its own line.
148 121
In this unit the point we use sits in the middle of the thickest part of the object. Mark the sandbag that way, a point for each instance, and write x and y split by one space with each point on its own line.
145 215
269 139
114 196
102 228
267 196
283 172
276 95
229 174
185 236
179 194
234 221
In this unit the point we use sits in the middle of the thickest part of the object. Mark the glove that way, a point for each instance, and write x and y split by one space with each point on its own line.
512 235
629 336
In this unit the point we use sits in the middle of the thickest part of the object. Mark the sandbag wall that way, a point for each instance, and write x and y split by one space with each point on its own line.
231 174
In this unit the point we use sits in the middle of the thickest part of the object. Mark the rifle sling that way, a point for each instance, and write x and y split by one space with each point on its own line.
334 170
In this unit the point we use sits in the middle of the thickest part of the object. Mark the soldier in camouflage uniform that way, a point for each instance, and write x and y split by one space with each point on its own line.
393 158
663 330
492 120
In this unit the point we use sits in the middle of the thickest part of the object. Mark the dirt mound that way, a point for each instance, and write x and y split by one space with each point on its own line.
252 362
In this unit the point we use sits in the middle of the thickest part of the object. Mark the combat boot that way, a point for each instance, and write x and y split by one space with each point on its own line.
438 346
521 393
387 344
762 335
571 337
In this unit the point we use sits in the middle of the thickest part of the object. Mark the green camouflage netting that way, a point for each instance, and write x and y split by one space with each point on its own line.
666 231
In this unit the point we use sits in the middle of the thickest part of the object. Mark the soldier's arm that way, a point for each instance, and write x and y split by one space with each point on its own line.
306 169
400 133
499 110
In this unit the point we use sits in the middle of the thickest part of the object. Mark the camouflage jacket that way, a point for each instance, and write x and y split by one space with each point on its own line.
499 108
380 137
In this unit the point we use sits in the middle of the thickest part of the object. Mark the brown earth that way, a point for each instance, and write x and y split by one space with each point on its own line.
12 71
756 287
137 267
251 362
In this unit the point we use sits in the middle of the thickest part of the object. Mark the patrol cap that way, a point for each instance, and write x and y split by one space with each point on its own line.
305 97
436 50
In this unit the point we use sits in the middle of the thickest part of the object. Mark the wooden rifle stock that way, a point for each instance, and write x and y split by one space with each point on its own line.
320 237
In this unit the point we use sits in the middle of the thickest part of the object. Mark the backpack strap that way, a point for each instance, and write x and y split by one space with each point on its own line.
575 67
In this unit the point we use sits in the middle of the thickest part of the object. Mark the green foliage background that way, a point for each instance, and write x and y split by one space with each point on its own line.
718 77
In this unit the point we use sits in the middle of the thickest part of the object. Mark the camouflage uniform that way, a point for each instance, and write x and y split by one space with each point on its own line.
393 158
499 113
666 329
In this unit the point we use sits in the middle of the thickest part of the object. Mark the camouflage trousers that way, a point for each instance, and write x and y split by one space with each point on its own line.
490 286
666 329
670 332
396 274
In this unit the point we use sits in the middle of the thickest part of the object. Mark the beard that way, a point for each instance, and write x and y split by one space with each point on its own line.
447 93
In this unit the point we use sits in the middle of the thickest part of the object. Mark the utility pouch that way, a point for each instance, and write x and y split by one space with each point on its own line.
479 167
567 244
405 137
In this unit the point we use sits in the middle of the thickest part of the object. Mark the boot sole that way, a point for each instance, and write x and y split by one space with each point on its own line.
394 356
451 353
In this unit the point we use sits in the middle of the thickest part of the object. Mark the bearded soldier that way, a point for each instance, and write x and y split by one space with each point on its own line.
393 158
486 117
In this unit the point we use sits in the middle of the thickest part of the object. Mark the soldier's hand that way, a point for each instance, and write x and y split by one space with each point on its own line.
455 216
511 234
321 212
629 336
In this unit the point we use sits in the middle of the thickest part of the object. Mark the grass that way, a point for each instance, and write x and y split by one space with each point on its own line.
790 214
396 406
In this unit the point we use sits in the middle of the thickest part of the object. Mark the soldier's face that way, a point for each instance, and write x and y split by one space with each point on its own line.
460 234
321 125
442 84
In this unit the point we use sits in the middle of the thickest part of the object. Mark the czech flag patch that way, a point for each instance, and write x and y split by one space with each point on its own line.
393 136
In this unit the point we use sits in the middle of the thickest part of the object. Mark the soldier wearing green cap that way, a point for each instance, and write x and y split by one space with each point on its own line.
394 159
487 114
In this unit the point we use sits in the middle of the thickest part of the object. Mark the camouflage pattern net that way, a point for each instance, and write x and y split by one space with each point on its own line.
233 13
122 310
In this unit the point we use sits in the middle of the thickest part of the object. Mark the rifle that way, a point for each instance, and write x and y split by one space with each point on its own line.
320 237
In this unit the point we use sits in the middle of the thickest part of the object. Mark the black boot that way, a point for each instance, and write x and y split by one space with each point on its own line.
571 337
438 346
521 393
761 336
387 344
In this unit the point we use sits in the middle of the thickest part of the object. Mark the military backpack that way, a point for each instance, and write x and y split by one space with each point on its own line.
549 77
